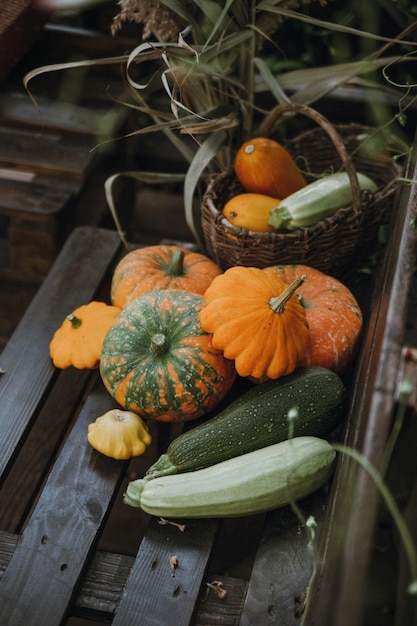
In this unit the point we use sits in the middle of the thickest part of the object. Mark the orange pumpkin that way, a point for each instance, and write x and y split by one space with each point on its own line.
250 211
333 314
263 166
256 320
160 267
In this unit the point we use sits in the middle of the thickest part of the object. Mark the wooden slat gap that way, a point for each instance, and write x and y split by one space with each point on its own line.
408 372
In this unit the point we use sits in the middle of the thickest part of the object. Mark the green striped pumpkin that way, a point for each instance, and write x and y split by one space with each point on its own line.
158 362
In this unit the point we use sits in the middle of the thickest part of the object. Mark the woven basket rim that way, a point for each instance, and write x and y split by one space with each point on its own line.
329 128
280 236
366 198
336 244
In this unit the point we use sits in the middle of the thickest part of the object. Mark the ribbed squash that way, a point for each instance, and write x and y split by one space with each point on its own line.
333 314
78 341
119 434
264 166
158 361
160 267
257 320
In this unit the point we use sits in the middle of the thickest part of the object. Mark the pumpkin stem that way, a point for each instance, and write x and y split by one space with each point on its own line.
176 266
75 321
278 303
159 344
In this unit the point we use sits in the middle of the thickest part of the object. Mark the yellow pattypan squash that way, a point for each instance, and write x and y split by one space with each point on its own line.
119 434
79 339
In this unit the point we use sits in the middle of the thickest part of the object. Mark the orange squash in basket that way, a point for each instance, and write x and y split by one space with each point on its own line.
264 166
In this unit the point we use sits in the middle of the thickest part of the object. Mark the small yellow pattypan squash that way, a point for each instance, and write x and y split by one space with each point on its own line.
79 339
119 434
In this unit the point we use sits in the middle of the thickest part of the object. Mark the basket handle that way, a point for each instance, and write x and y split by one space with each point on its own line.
295 107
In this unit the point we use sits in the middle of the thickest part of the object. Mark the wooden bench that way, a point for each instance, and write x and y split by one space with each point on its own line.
57 491
58 495
52 166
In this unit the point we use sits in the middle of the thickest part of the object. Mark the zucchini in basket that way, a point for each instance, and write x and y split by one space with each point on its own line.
318 200
259 418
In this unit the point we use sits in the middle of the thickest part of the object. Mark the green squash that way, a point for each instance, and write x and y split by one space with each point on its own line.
158 362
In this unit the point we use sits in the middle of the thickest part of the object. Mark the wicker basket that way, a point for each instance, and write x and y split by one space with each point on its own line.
333 245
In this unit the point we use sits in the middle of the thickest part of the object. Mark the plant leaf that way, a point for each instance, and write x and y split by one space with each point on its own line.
271 82
312 84
38 71
143 177
266 5
203 156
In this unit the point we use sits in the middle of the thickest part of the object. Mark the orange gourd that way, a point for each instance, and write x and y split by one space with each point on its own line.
79 339
160 267
264 166
256 320
333 314
250 211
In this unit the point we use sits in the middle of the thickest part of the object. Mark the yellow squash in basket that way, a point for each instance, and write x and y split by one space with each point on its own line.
251 211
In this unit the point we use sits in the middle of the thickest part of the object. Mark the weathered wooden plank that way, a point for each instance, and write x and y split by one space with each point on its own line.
103 584
337 593
20 487
32 195
20 24
283 566
33 245
63 528
216 610
95 118
45 152
73 280
38 212
155 593
8 543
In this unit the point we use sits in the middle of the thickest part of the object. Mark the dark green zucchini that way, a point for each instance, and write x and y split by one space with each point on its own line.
259 418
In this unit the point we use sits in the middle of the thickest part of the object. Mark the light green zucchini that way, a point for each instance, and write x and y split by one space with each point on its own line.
251 483
318 200
259 418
